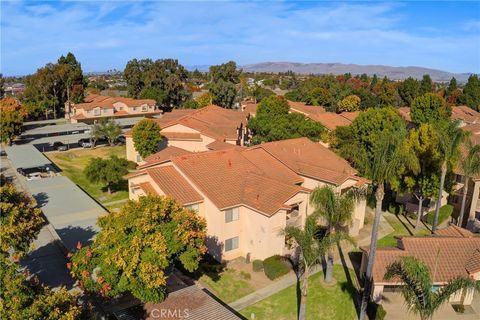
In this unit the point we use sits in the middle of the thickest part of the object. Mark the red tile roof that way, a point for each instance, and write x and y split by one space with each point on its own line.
162 156
148 188
219 145
213 121
106 102
329 120
229 178
182 136
311 159
171 182
447 254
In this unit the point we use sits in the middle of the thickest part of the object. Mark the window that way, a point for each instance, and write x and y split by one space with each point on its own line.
139 158
231 215
231 244
144 108
192 207
96 112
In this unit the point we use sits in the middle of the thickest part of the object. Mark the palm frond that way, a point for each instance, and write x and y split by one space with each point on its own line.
454 285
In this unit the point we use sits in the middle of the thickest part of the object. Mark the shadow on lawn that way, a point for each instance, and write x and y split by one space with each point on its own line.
349 286
122 185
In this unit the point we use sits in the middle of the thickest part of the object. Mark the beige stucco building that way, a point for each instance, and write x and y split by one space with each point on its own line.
247 195
96 107
209 128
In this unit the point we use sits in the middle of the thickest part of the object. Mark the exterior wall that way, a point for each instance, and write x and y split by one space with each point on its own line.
475 202
358 220
192 145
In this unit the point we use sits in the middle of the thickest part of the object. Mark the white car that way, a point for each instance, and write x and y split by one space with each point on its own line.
34 176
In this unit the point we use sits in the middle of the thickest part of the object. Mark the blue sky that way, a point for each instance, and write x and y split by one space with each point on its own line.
105 35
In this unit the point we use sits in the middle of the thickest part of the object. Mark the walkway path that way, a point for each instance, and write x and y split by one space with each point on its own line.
291 278
114 202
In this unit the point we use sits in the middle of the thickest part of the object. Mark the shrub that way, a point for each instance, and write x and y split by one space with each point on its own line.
257 265
376 311
245 275
275 267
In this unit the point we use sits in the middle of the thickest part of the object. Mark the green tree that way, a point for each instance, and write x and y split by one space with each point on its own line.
227 72
358 141
11 120
429 108
273 105
318 97
73 78
110 130
106 171
471 93
418 289
426 85
349 103
20 221
336 210
154 93
204 100
450 137
134 74
387 160
423 143
259 93
452 86
470 166
310 253
223 93
409 90
23 297
169 76
146 137
135 247
2 86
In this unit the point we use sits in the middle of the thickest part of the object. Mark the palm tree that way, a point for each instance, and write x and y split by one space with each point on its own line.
389 158
450 139
470 165
310 251
417 286
337 210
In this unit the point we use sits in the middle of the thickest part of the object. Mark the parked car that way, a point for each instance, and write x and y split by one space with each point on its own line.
85 143
34 176
121 140
60 146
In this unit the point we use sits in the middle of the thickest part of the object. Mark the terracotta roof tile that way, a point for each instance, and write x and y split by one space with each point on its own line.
446 256
171 182
107 102
308 158
147 188
453 231
219 145
182 136
162 156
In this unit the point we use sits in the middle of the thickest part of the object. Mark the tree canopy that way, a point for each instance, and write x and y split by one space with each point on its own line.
146 137
429 108
349 103
409 90
11 120
223 83
23 297
20 221
135 247
107 171
471 93
273 122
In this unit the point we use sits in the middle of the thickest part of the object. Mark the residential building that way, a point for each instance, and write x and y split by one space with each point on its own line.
329 120
472 203
248 195
449 253
96 107
464 114
198 130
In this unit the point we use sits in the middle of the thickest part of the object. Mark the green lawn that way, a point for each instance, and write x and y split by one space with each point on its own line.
443 215
323 302
228 285
73 162
400 229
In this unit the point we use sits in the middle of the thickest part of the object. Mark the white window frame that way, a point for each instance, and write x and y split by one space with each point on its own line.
234 243
194 207
232 214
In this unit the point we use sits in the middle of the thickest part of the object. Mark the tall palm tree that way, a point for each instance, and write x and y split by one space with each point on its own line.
417 286
311 252
470 165
450 139
389 158
337 210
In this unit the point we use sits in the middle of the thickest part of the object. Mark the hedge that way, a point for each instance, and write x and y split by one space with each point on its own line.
444 214
275 267
257 265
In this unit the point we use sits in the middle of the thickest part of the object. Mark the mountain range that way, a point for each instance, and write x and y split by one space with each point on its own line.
396 73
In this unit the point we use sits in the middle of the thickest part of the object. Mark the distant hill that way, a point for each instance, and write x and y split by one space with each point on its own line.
397 73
